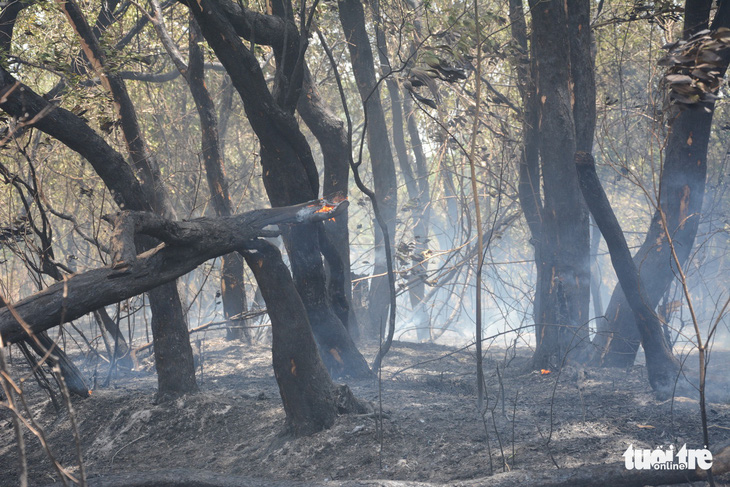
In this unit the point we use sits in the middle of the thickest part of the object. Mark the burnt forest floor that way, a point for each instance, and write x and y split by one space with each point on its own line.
431 429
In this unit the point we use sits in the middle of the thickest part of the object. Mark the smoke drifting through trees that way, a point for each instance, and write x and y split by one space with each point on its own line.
94 123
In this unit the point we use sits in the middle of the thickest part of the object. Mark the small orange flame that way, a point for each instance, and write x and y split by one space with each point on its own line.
326 208
544 371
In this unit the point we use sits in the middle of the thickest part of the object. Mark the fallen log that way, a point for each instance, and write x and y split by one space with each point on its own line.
186 245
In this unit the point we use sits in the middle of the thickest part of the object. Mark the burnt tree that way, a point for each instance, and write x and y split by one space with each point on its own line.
682 189
562 256
311 401
173 355
290 174
662 367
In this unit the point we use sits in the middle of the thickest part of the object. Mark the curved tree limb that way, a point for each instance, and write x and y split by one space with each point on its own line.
187 245
661 365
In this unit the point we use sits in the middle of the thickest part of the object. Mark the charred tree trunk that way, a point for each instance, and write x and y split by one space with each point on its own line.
528 188
28 107
188 244
352 18
663 368
563 287
332 138
311 401
682 189
290 174
306 389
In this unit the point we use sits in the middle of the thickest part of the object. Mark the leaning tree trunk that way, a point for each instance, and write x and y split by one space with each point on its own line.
564 276
352 18
176 375
661 365
682 189
305 387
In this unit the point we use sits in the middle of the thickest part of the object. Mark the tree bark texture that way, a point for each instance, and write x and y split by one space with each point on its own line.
662 367
290 177
582 70
563 287
528 188
682 189
306 389
352 18
331 135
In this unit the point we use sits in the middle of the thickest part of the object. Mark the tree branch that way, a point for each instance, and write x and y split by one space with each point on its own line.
188 244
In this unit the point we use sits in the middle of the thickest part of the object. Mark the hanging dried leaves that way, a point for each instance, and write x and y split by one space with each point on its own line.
695 68
434 66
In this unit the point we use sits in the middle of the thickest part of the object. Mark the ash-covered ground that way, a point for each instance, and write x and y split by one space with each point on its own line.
431 428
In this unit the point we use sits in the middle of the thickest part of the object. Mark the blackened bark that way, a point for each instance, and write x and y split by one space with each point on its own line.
72 375
352 18
696 16
682 189
290 177
189 244
306 389
582 69
8 16
564 275
332 138
276 31
662 367
311 401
